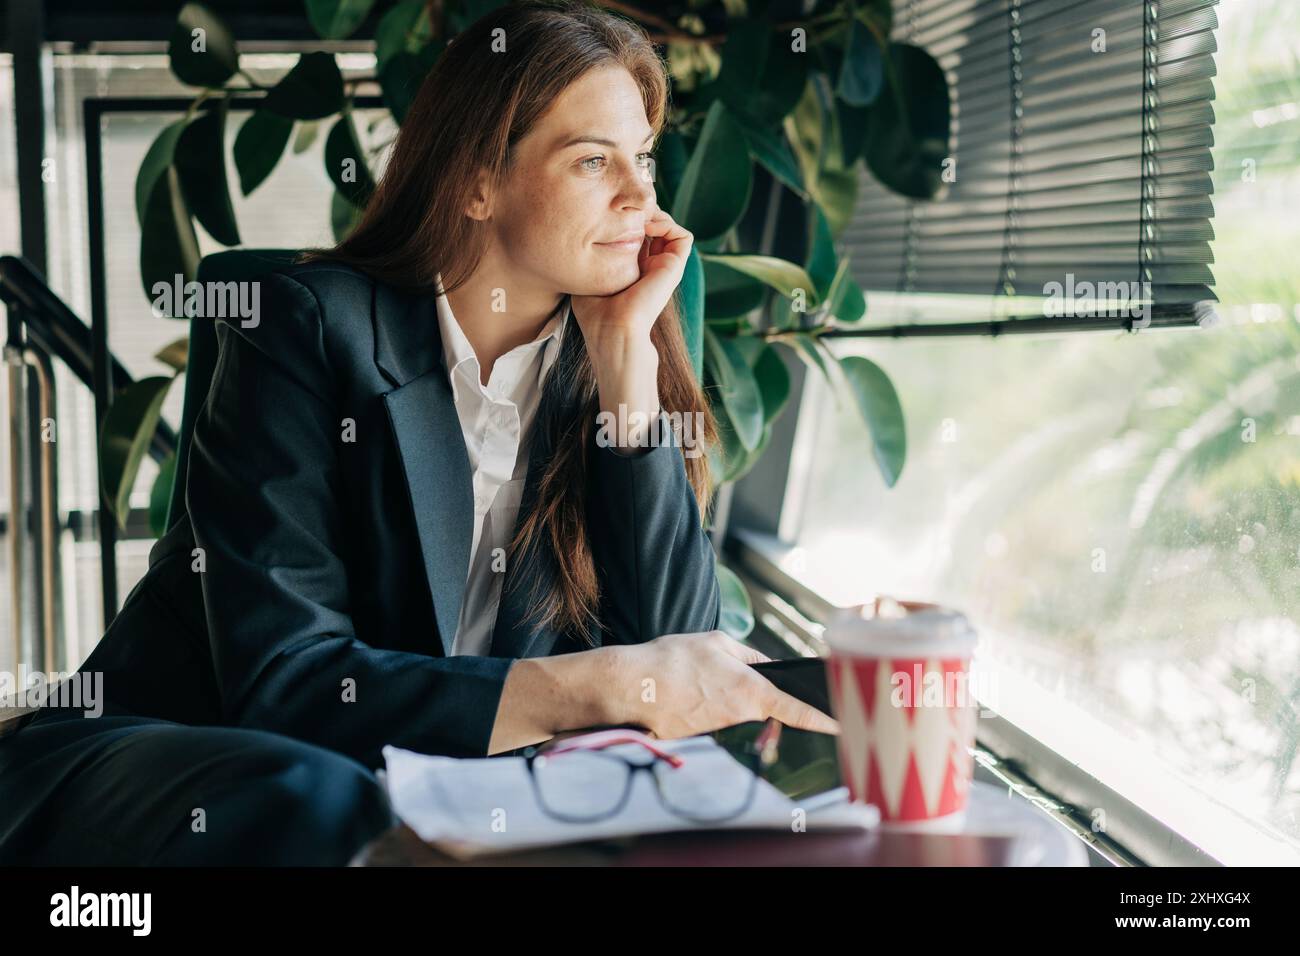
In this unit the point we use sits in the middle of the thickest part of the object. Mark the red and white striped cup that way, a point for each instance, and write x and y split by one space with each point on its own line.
899 675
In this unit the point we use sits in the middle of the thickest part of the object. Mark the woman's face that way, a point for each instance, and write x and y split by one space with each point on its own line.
581 179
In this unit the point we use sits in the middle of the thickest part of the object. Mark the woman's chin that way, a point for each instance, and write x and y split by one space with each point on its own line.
609 281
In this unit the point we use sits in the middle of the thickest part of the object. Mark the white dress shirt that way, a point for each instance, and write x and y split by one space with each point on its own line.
496 420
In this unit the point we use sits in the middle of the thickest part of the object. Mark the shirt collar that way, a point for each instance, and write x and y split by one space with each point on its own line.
457 350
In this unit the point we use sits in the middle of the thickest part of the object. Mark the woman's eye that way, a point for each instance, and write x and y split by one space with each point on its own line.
644 159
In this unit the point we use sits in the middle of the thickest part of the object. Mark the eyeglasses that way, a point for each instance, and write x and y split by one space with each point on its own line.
579 782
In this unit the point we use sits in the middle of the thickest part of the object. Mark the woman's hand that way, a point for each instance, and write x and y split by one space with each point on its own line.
678 685
616 329
681 685
609 321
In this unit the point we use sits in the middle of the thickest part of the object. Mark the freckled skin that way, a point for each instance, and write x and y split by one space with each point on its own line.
555 204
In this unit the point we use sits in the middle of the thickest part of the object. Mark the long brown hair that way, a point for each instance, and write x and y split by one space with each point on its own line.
471 109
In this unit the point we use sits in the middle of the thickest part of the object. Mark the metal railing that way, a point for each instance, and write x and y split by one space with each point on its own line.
40 330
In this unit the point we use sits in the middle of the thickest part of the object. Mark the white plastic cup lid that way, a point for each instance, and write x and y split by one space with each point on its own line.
928 632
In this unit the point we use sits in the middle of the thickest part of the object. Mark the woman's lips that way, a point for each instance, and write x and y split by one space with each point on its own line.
626 245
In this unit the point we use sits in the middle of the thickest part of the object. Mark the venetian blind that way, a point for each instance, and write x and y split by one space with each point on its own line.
1080 154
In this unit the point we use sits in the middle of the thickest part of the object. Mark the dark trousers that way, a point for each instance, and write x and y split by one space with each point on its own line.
129 790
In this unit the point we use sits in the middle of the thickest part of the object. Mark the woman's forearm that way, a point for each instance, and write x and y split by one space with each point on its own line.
544 696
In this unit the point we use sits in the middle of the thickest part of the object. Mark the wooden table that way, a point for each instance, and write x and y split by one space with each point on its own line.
401 847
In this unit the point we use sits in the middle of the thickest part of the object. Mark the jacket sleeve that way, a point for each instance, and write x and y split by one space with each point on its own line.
657 567
264 498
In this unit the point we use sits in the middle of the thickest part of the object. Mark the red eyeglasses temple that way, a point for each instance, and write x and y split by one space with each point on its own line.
600 739
608 738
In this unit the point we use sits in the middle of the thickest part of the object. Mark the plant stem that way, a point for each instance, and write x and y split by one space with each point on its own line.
781 335
198 100
251 82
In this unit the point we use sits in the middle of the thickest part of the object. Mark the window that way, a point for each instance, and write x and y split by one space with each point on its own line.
1120 514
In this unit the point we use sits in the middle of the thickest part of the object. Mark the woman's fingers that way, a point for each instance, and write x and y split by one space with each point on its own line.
794 712
742 652
660 222
666 235
662 228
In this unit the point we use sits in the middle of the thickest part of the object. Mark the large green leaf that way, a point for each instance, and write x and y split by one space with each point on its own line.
846 301
852 131
879 14
730 460
769 147
337 19
690 295
783 276
343 215
168 244
862 68
759 83
785 72
670 166
805 347
715 187
821 263
737 387
216 61
160 496
806 131
259 144
729 293
773 382
345 162
744 55
156 161
400 78
175 353
878 402
783 316
405 50
405 28
313 89
837 184
813 131
737 612
461 15
907 129
304 135
761 75
769 371
201 166
127 431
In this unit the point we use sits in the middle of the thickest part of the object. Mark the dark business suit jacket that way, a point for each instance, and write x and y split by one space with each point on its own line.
314 586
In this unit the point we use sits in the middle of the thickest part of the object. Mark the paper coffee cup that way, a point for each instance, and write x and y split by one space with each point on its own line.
900 688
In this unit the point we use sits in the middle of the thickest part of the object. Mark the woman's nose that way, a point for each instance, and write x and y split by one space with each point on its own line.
640 188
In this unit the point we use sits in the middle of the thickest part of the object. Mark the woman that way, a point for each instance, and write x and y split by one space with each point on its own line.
346 576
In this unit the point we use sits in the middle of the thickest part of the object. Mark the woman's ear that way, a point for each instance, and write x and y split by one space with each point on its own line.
479 206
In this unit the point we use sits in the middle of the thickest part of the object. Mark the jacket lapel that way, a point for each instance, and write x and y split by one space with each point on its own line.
422 414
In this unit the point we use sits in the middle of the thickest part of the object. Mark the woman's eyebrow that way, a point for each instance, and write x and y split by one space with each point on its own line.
592 138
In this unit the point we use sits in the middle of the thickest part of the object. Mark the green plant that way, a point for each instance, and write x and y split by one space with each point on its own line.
808 97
